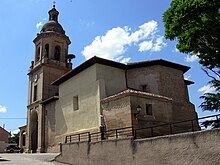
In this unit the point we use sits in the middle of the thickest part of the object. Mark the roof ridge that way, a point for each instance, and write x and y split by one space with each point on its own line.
115 64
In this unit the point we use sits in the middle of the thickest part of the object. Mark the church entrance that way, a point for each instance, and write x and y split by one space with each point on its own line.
34 131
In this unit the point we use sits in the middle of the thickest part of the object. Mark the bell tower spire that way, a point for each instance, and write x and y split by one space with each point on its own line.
51 61
54 4
53 13
52 43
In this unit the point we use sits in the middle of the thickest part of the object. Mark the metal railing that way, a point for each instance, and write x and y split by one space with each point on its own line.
202 123
77 137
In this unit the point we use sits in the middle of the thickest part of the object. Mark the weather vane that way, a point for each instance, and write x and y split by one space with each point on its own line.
54 4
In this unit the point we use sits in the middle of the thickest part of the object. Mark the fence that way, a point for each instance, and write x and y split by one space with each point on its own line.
202 123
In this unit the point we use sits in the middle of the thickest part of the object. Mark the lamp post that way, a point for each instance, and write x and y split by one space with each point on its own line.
138 110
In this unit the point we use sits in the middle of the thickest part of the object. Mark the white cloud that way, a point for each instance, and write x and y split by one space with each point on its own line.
86 23
191 58
186 77
15 132
122 59
3 109
175 50
116 41
207 89
152 47
145 46
159 44
109 46
125 60
145 30
39 24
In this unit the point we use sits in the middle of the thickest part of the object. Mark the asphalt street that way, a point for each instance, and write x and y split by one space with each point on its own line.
28 159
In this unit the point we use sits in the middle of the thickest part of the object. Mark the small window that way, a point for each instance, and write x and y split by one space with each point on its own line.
38 54
144 88
75 103
57 53
148 110
35 92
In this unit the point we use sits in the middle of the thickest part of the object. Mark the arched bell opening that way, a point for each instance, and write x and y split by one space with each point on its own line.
38 54
57 53
46 50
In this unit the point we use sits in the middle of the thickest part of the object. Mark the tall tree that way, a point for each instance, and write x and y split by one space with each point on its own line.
14 139
196 26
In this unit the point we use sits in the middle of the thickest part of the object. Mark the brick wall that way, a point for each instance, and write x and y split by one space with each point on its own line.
4 135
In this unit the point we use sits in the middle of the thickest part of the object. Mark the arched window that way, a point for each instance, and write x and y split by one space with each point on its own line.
46 50
38 54
57 53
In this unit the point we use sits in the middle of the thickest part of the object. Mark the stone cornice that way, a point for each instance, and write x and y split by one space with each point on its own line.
51 34
132 92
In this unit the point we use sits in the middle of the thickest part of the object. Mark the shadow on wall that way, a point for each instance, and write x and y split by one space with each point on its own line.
61 126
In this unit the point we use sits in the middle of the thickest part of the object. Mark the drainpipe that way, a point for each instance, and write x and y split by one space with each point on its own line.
126 79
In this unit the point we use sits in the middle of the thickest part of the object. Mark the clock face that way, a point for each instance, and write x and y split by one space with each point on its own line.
35 77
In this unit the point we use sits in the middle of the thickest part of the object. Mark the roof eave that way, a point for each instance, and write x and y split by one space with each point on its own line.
158 62
86 65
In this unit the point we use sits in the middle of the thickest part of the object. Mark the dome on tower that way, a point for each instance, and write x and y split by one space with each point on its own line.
53 25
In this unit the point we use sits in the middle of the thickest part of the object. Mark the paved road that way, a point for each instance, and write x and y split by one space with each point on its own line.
28 159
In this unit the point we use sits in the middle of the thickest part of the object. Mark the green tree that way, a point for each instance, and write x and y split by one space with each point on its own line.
196 26
14 139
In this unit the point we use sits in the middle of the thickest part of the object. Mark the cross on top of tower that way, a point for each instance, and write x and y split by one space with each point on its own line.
54 4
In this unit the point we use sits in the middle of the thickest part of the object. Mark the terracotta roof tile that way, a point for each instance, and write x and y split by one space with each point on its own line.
129 92
99 60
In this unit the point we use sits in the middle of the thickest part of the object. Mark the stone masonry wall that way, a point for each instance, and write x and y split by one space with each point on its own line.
188 148
165 81
117 113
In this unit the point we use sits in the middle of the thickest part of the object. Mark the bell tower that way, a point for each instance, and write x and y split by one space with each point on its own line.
51 61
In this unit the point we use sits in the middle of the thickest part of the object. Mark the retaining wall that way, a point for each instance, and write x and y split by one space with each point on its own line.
201 147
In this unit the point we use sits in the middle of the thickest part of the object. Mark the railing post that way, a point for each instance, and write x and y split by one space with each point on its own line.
66 139
79 137
70 138
116 133
102 135
89 136
171 129
133 132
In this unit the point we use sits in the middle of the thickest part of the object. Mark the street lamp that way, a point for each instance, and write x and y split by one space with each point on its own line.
138 110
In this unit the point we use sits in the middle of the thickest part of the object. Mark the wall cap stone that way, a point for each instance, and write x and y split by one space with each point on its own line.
132 92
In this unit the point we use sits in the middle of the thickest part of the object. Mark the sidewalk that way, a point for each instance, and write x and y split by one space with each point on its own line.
29 159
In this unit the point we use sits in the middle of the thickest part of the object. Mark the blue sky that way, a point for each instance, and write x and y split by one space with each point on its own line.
121 30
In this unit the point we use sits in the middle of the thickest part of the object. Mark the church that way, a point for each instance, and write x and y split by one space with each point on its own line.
98 94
